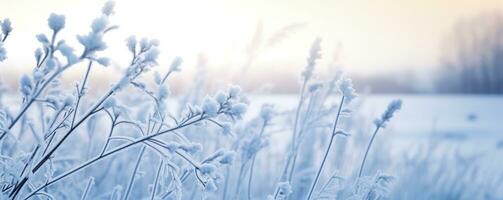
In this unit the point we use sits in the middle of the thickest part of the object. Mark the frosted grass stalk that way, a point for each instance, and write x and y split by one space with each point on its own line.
56 23
90 183
73 128
240 178
133 175
314 55
345 87
156 181
300 134
393 106
250 177
103 150
188 122
90 112
138 66
226 185
33 97
367 150
80 92
334 133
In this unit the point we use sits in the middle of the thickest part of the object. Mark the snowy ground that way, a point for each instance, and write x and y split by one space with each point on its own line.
455 116
468 123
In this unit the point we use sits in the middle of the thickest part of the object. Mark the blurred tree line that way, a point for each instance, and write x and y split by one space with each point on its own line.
473 56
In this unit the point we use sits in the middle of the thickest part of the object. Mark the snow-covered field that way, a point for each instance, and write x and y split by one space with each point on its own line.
475 116
471 121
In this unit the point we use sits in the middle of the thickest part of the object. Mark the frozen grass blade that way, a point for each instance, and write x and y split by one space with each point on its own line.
156 181
327 151
90 183
133 175
380 123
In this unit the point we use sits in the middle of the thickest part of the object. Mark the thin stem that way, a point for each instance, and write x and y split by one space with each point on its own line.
92 111
297 114
88 188
327 151
18 186
367 151
111 152
108 138
299 139
81 91
89 113
250 177
5 37
226 185
54 119
183 178
133 175
156 181
240 177
166 77
52 134
133 124
327 183
42 116
284 172
34 97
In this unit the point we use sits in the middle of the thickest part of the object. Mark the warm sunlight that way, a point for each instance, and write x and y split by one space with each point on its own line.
251 99
222 30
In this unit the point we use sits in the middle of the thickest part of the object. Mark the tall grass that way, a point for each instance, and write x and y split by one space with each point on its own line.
138 141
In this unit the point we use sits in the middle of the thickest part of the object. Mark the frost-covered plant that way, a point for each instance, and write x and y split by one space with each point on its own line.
138 140
50 66
248 147
373 188
289 167
347 94
36 170
6 29
393 106
266 114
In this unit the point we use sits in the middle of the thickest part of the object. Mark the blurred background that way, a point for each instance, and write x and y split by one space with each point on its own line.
409 46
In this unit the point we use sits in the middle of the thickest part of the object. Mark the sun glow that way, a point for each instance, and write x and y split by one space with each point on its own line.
375 36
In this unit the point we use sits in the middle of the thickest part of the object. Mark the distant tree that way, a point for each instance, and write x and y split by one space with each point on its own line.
473 56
